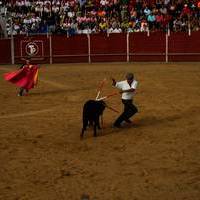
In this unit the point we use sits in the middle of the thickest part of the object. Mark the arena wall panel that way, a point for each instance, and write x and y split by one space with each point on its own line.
108 48
35 47
183 47
5 51
147 48
69 49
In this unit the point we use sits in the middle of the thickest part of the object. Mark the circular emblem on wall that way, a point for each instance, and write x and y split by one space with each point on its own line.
32 48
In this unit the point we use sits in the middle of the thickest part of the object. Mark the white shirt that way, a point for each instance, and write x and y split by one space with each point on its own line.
123 85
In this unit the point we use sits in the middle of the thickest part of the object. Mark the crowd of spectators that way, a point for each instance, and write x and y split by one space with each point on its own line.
93 16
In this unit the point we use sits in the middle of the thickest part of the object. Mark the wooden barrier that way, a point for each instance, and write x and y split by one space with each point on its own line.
36 47
147 48
69 49
183 47
108 48
116 47
5 51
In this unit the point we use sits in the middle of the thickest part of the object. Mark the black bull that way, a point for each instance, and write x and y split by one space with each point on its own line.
92 110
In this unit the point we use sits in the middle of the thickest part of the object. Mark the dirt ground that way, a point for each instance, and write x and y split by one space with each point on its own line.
155 158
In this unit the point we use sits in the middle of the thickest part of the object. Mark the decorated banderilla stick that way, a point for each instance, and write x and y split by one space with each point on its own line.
107 96
100 88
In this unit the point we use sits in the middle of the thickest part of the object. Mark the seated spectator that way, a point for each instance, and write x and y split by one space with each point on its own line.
151 19
159 20
103 25
125 25
115 29
185 11
147 11
133 14
177 24
144 26
163 10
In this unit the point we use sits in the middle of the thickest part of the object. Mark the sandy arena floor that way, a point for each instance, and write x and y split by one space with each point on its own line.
157 158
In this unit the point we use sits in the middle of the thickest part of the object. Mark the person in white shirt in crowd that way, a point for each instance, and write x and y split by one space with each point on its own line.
104 2
117 29
127 89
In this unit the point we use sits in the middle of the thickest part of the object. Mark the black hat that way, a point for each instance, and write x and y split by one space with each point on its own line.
129 76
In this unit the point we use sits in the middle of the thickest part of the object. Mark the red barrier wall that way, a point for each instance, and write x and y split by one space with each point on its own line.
39 43
186 45
147 48
103 48
5 51
106 48
69 49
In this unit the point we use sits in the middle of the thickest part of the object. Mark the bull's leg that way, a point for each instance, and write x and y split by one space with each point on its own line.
95 126
95 129
101 117
85 123
90 123
98 123
82 132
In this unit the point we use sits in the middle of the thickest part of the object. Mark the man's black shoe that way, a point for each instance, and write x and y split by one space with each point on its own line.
128 121
117 126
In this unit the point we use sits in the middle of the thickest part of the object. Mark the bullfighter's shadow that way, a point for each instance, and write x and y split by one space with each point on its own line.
137 123
154 120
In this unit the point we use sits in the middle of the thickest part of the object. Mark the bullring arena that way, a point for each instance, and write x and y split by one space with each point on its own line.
156 158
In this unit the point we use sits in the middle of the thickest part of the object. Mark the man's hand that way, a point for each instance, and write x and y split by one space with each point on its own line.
113 81
129 90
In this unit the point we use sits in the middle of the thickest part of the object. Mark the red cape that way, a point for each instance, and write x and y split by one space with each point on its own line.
25 77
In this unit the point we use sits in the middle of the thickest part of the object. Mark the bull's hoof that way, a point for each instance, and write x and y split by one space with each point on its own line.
81 136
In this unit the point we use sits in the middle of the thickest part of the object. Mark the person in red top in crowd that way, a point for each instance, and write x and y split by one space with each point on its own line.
166 22
159 20
198 4
186 11
25 77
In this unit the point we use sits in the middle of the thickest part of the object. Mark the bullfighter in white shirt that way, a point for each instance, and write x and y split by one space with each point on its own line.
127 89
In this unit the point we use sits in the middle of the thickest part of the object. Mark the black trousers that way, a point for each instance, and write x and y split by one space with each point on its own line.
129 110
